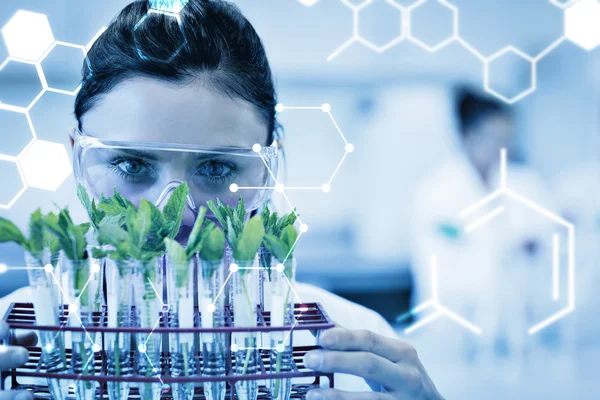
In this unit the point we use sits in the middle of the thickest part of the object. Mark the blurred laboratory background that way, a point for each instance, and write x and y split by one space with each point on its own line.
397 199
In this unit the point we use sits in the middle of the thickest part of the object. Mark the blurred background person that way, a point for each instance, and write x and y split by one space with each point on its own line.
484 271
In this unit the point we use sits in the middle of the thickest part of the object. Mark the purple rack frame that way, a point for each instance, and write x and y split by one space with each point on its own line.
309 316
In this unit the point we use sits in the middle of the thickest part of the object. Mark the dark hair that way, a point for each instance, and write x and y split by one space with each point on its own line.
473 107
209 38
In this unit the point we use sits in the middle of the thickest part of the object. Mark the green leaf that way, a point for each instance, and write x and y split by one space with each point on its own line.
10 233
173 211
179 261
213 243
50 240
276 247
71 237
123 202
93 212
230 233
99 253
214 209
195 238
289 235
111 232
249 240
36 233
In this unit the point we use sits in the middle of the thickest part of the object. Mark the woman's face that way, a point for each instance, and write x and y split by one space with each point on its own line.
150 110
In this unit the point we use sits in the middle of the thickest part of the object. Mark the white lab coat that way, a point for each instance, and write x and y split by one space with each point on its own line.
578 189
483 276
343 312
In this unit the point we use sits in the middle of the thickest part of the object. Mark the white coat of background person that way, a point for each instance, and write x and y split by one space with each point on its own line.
578 190
484 273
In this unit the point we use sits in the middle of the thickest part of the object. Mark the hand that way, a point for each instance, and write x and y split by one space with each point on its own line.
15 356
391 367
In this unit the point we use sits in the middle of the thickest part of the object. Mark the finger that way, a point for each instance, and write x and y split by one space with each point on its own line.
26 339
359 363
343 339
333 394
16 395
12 356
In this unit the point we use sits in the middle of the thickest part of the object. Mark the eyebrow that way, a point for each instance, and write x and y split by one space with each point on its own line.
136 153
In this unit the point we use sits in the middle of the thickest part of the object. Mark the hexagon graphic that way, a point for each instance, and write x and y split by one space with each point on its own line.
62 67
581 24
405 3
20 83
27 35
12 183
510 59
170 6
380 25
96 36
563 3
356 4
15 132
433 24
52 116
479 214
322 169
308 3
153 48
45 165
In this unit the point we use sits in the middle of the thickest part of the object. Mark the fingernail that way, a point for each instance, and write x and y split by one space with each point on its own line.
24 396
314 395
313 359
20 356
327 339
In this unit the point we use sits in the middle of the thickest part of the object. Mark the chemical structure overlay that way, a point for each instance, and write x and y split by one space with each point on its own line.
580 18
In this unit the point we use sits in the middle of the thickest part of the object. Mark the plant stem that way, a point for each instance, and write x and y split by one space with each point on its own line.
277 370
186 363
279 353
248 349
84 361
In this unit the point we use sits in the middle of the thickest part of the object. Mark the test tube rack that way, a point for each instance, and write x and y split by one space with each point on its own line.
309 316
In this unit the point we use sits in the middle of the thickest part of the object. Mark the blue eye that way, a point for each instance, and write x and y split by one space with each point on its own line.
132 170
217 171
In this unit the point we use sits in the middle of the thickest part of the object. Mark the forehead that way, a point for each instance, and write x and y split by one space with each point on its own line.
146 109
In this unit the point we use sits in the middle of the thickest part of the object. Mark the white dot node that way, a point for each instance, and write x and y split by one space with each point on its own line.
279 268
349 147
3 268
280 348
303 309
326 187
48 268
279 187
233 187
73 308
211 308
234 347
142 348
256 148
279 107
303 228
234 267
95 268
96 348
326 107
49 347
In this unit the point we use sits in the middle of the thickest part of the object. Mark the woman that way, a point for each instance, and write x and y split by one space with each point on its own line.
202 80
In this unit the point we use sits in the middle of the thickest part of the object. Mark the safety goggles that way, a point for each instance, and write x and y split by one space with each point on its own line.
153 170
